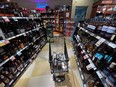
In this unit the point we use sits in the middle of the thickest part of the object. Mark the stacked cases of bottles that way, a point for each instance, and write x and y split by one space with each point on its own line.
25 38
68 27
96 59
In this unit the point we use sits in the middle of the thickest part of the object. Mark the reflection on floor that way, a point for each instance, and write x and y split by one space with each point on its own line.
39 75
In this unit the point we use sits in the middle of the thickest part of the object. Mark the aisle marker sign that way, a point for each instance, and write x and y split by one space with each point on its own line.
6 19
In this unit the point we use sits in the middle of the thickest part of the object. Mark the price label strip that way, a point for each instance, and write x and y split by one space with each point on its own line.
100 42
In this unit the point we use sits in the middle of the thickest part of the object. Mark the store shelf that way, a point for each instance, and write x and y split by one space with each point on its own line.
20 17
19 52
1 64
92 64
48 17
113 45
18 74
79 68
47 12
6 41
28 63
39 38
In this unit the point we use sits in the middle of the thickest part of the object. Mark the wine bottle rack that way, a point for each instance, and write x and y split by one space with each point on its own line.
33 38
3 41
27 64
92 64
113 45
27 18
88 56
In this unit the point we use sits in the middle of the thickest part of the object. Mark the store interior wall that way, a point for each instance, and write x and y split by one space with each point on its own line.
88 3
31 4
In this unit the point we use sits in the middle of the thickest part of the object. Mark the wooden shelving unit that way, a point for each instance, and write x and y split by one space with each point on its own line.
107 7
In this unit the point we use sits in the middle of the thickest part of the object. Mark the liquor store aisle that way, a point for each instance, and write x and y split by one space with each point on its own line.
38 73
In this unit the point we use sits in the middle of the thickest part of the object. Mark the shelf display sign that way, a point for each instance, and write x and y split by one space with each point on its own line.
41 7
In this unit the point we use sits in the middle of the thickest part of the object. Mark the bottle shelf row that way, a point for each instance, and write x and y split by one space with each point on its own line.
98 72
26 65
79 68
19 52
113 45
48 17
4 17
4 42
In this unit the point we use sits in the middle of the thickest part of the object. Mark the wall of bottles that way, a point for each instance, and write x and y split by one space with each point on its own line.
96 58
20 42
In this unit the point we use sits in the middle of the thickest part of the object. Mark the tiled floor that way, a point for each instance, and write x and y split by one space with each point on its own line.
39 75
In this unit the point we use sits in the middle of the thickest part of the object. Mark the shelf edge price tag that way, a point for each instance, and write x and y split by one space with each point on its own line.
99 74
92 34
6 19
19 53
27 18
100 42
12 58
98 37
112 45
14 18
24 34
